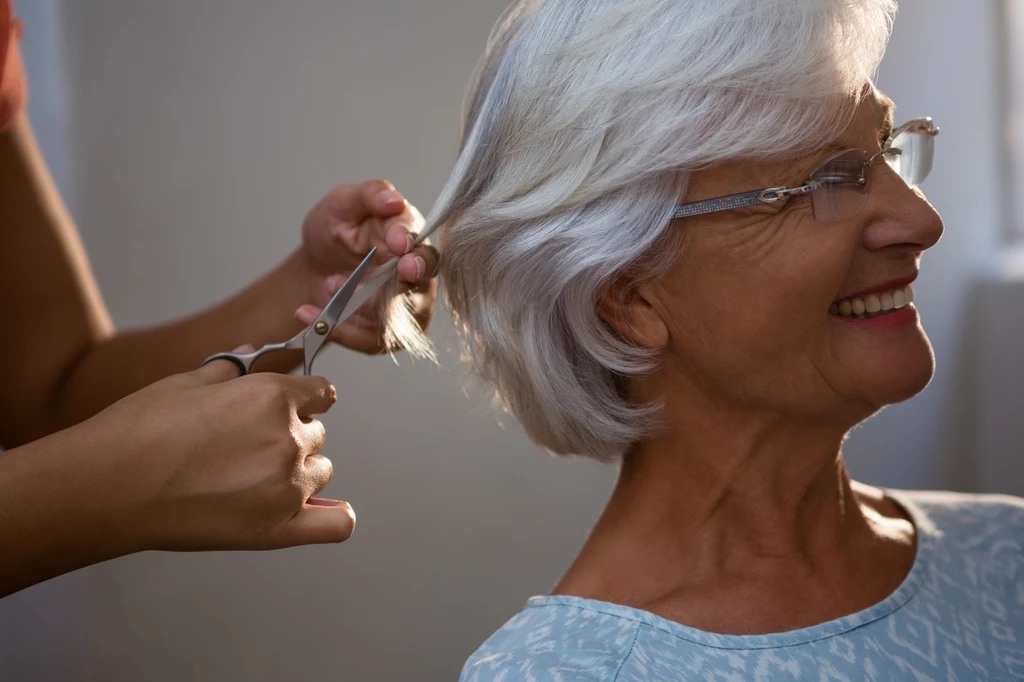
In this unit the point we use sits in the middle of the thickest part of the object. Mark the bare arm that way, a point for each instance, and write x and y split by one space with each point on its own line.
60 358
197 461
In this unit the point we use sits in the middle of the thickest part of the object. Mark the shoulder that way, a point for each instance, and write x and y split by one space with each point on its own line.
989 522
554 639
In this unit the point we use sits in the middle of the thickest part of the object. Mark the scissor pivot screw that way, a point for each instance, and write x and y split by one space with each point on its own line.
320 328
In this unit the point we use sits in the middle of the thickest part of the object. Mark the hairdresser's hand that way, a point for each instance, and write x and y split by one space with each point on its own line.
338 233
210 461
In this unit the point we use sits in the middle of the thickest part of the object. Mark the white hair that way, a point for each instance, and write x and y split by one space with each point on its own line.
582 127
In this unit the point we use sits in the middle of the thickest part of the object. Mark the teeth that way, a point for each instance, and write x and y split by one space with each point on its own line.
873 304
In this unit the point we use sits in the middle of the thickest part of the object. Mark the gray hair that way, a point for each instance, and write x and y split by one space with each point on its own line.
582 127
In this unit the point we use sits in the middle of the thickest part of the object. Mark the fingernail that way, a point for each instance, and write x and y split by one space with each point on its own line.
391 197
244 348
306 313
334 283
409 241
421 267
321 502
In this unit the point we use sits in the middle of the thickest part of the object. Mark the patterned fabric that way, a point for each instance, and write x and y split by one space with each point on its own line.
959 615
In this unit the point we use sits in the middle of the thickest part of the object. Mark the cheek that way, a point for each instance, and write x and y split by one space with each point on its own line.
763 306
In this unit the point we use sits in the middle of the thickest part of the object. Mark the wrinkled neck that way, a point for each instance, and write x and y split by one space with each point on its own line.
724 501
758 491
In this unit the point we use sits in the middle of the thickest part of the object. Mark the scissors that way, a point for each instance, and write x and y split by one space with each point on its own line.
312 338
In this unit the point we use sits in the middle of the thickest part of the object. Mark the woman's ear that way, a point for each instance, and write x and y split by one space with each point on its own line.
627 306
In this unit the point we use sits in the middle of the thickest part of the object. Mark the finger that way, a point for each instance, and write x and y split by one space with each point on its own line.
401 232
399 238
220 371
317 472
313 437
419 266
356 202
431 256
307 314
309 395
361 332
383 199
360 338
320 522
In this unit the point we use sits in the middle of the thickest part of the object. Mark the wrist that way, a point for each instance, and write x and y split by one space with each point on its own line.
56 512
92 464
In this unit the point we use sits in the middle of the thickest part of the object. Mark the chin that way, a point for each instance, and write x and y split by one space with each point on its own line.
892 370
905 383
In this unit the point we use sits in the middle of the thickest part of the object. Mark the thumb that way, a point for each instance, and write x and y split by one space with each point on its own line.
320 522
220 371
356 202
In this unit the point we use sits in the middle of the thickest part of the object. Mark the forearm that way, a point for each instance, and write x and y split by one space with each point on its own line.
60 360
122 364
56 515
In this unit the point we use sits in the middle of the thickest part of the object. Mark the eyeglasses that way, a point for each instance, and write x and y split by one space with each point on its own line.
839 187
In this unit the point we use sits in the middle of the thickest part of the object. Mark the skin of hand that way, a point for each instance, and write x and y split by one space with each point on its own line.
199 461
52 381
338 233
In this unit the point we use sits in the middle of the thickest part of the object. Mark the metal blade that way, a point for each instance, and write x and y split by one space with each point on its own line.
361 297
333 313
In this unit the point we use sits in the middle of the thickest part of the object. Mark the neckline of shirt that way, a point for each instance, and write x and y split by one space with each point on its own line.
925 535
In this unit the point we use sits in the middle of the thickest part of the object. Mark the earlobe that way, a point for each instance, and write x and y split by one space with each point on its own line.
629 311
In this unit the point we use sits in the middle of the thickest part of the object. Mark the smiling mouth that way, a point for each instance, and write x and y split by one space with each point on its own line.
874 305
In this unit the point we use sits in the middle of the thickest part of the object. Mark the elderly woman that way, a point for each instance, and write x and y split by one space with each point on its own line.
683 234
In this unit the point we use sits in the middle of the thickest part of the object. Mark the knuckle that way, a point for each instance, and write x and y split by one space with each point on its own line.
273 395
317 438
330 392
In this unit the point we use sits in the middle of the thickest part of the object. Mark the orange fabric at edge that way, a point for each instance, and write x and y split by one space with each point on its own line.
13 90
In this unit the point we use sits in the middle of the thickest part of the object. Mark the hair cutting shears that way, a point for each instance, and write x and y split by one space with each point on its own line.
312 338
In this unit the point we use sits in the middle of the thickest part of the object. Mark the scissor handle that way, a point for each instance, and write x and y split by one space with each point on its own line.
245 361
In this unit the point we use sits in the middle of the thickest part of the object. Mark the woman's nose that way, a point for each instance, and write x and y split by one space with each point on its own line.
899 215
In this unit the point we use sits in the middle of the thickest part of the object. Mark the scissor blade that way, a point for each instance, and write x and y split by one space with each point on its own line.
334 309
357 301
331 316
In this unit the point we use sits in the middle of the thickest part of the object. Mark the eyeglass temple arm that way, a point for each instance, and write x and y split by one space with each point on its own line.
769 195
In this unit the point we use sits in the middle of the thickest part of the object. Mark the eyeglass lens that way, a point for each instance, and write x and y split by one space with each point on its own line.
845 179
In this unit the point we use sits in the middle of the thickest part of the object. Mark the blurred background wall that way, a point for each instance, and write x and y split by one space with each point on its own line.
190 137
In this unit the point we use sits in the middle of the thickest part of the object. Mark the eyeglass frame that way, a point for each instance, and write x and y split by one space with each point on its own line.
773 195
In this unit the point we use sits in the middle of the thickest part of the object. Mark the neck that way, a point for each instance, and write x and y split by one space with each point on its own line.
740 502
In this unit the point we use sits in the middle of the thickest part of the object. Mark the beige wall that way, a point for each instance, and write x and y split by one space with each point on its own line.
201 132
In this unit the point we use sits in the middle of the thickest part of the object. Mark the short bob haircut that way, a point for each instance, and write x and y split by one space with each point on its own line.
582 127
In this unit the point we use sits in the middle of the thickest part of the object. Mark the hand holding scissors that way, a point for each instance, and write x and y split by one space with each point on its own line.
311 339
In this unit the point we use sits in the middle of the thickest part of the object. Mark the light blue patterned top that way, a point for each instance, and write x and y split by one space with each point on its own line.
959 615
